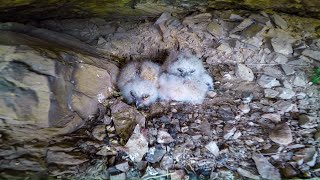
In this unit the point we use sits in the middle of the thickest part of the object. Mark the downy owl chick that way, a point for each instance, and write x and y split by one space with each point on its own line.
177 88
141 92
183 64
207 80
145 70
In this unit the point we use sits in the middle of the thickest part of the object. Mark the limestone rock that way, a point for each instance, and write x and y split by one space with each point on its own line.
306 155
265 168
281 46
93 82
26 90
268 81
64 158
216 30
178 174
273 71
194 19
30 57
154 154
311 53
279 58
299 81
247 97
288 70
305 121
226 113
245 108
286 93
125 118
253 31
137 144
244 24
288 171
279 21
225 47
22 164
164 137
317 135
166 162
275 117
270 93
84 105
99 132
235 17
228 131
284 106
259 18
213 148
121 176
281 134
198 21
244 73
124 167
85 30
247 174
301 95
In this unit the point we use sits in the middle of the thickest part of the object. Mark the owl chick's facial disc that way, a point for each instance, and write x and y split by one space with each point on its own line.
186 65
140 92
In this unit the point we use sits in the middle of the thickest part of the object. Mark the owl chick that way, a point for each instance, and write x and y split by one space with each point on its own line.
207 80
145 70
141 92
183 64
177 88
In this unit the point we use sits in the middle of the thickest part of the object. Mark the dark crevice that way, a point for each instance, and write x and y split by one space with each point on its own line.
21 64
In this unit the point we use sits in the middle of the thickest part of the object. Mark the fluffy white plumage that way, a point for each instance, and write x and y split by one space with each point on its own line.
145 70
185 79
177 88
183 64
150 71
128 73
138 83
207 79
141 92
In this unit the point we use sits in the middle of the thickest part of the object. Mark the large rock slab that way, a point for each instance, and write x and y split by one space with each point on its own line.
311 53
244 73
36 86
93 82
25 94
125 118
268 81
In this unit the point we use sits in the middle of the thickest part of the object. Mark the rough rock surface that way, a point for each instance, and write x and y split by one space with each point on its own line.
276 116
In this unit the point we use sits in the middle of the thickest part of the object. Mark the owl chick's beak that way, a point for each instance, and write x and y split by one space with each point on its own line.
139 104
184 74
210 88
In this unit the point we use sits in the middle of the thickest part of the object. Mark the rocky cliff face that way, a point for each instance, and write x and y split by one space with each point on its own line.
52 82
45 91
26 10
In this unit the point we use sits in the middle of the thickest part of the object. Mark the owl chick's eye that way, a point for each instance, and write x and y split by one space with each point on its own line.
192 71
180 70
145 96
132 94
